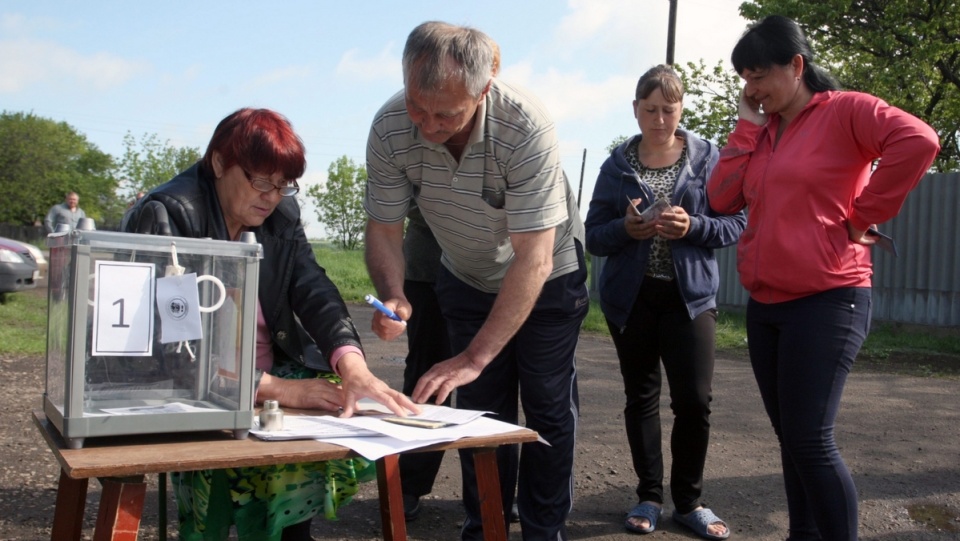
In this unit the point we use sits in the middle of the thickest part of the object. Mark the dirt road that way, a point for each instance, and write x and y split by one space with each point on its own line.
899 435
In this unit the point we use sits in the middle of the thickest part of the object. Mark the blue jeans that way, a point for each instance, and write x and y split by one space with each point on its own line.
802 351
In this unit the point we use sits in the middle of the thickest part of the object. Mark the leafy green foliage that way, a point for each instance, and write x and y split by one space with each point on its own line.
152 162
41 160
339 202
347 269
906 52
617 141
710 101
903 51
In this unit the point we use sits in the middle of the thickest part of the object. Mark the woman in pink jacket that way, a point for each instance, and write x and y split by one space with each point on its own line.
801 160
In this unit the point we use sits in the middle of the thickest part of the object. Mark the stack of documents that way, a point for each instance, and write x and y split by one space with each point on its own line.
374 431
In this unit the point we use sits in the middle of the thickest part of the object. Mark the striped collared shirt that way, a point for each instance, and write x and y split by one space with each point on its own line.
509 180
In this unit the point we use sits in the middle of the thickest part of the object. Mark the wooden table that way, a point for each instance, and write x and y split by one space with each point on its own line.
120 462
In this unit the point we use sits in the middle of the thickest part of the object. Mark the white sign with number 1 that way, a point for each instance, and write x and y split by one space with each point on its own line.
123 309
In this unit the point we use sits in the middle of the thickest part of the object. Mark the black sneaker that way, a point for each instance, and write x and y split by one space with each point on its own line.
411 507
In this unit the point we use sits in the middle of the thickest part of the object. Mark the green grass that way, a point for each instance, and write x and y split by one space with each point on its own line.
347 269
731 331
899 348
23 324
886 341
886 337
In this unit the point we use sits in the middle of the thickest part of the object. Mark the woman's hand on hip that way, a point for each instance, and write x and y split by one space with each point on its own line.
858 236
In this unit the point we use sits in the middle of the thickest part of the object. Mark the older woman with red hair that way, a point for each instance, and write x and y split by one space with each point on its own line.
308 352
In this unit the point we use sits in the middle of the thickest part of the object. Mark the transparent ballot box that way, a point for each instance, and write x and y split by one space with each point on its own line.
150 334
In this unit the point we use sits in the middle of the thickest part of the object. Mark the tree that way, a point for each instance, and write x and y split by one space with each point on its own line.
152 164
617 141
906 52
41 160
340 202
710 101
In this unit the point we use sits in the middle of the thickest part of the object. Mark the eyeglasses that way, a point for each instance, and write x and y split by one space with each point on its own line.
289 188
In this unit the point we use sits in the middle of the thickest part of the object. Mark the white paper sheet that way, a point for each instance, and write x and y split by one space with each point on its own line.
376 447
373 438
171 407
308 427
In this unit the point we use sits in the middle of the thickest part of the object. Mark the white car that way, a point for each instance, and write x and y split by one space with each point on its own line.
19 269
38 256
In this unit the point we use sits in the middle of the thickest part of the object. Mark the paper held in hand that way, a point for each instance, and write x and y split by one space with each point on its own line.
655 210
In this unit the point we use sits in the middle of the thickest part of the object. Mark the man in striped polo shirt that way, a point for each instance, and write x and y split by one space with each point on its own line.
481 160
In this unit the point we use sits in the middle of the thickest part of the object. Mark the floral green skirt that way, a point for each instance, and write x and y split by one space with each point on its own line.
263 500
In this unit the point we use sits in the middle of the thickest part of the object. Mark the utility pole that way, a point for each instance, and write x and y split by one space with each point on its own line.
583 166
671 31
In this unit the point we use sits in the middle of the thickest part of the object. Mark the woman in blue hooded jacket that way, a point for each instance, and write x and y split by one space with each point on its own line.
658 293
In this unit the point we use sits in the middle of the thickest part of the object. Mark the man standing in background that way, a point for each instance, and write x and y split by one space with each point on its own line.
68 212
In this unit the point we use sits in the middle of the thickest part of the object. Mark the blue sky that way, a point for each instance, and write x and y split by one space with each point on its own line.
175 68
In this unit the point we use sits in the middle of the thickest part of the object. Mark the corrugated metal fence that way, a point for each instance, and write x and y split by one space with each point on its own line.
921 286
33 234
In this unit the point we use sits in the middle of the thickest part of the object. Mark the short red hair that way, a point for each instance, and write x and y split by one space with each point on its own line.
260 141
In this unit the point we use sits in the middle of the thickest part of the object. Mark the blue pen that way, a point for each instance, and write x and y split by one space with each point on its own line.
383 309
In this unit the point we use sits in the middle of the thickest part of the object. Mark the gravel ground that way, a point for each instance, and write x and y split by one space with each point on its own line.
900 436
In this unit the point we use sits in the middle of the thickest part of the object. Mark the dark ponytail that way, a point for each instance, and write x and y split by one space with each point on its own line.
776 40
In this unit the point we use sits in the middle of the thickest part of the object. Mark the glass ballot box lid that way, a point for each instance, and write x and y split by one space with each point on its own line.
150 334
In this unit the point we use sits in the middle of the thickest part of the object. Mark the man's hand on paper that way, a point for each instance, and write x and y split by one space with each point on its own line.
444 377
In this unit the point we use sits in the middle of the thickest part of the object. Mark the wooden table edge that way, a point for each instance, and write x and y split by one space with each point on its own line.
117 454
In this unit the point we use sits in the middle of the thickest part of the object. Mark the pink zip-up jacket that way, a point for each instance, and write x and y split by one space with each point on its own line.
801 193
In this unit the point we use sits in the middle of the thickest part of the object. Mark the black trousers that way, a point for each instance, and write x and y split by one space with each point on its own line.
802 352
539 364
427 345
660 329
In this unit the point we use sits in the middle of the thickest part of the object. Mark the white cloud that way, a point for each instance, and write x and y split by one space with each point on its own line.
385 65
574 95
586 19
289 74
12 22
188 75
28 62
16 24
606 26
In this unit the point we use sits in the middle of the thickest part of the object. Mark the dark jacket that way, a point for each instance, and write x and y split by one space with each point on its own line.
693 259
294 291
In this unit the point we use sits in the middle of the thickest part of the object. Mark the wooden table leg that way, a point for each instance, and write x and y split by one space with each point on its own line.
162 507
68 514
391 499
121 506
488 490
